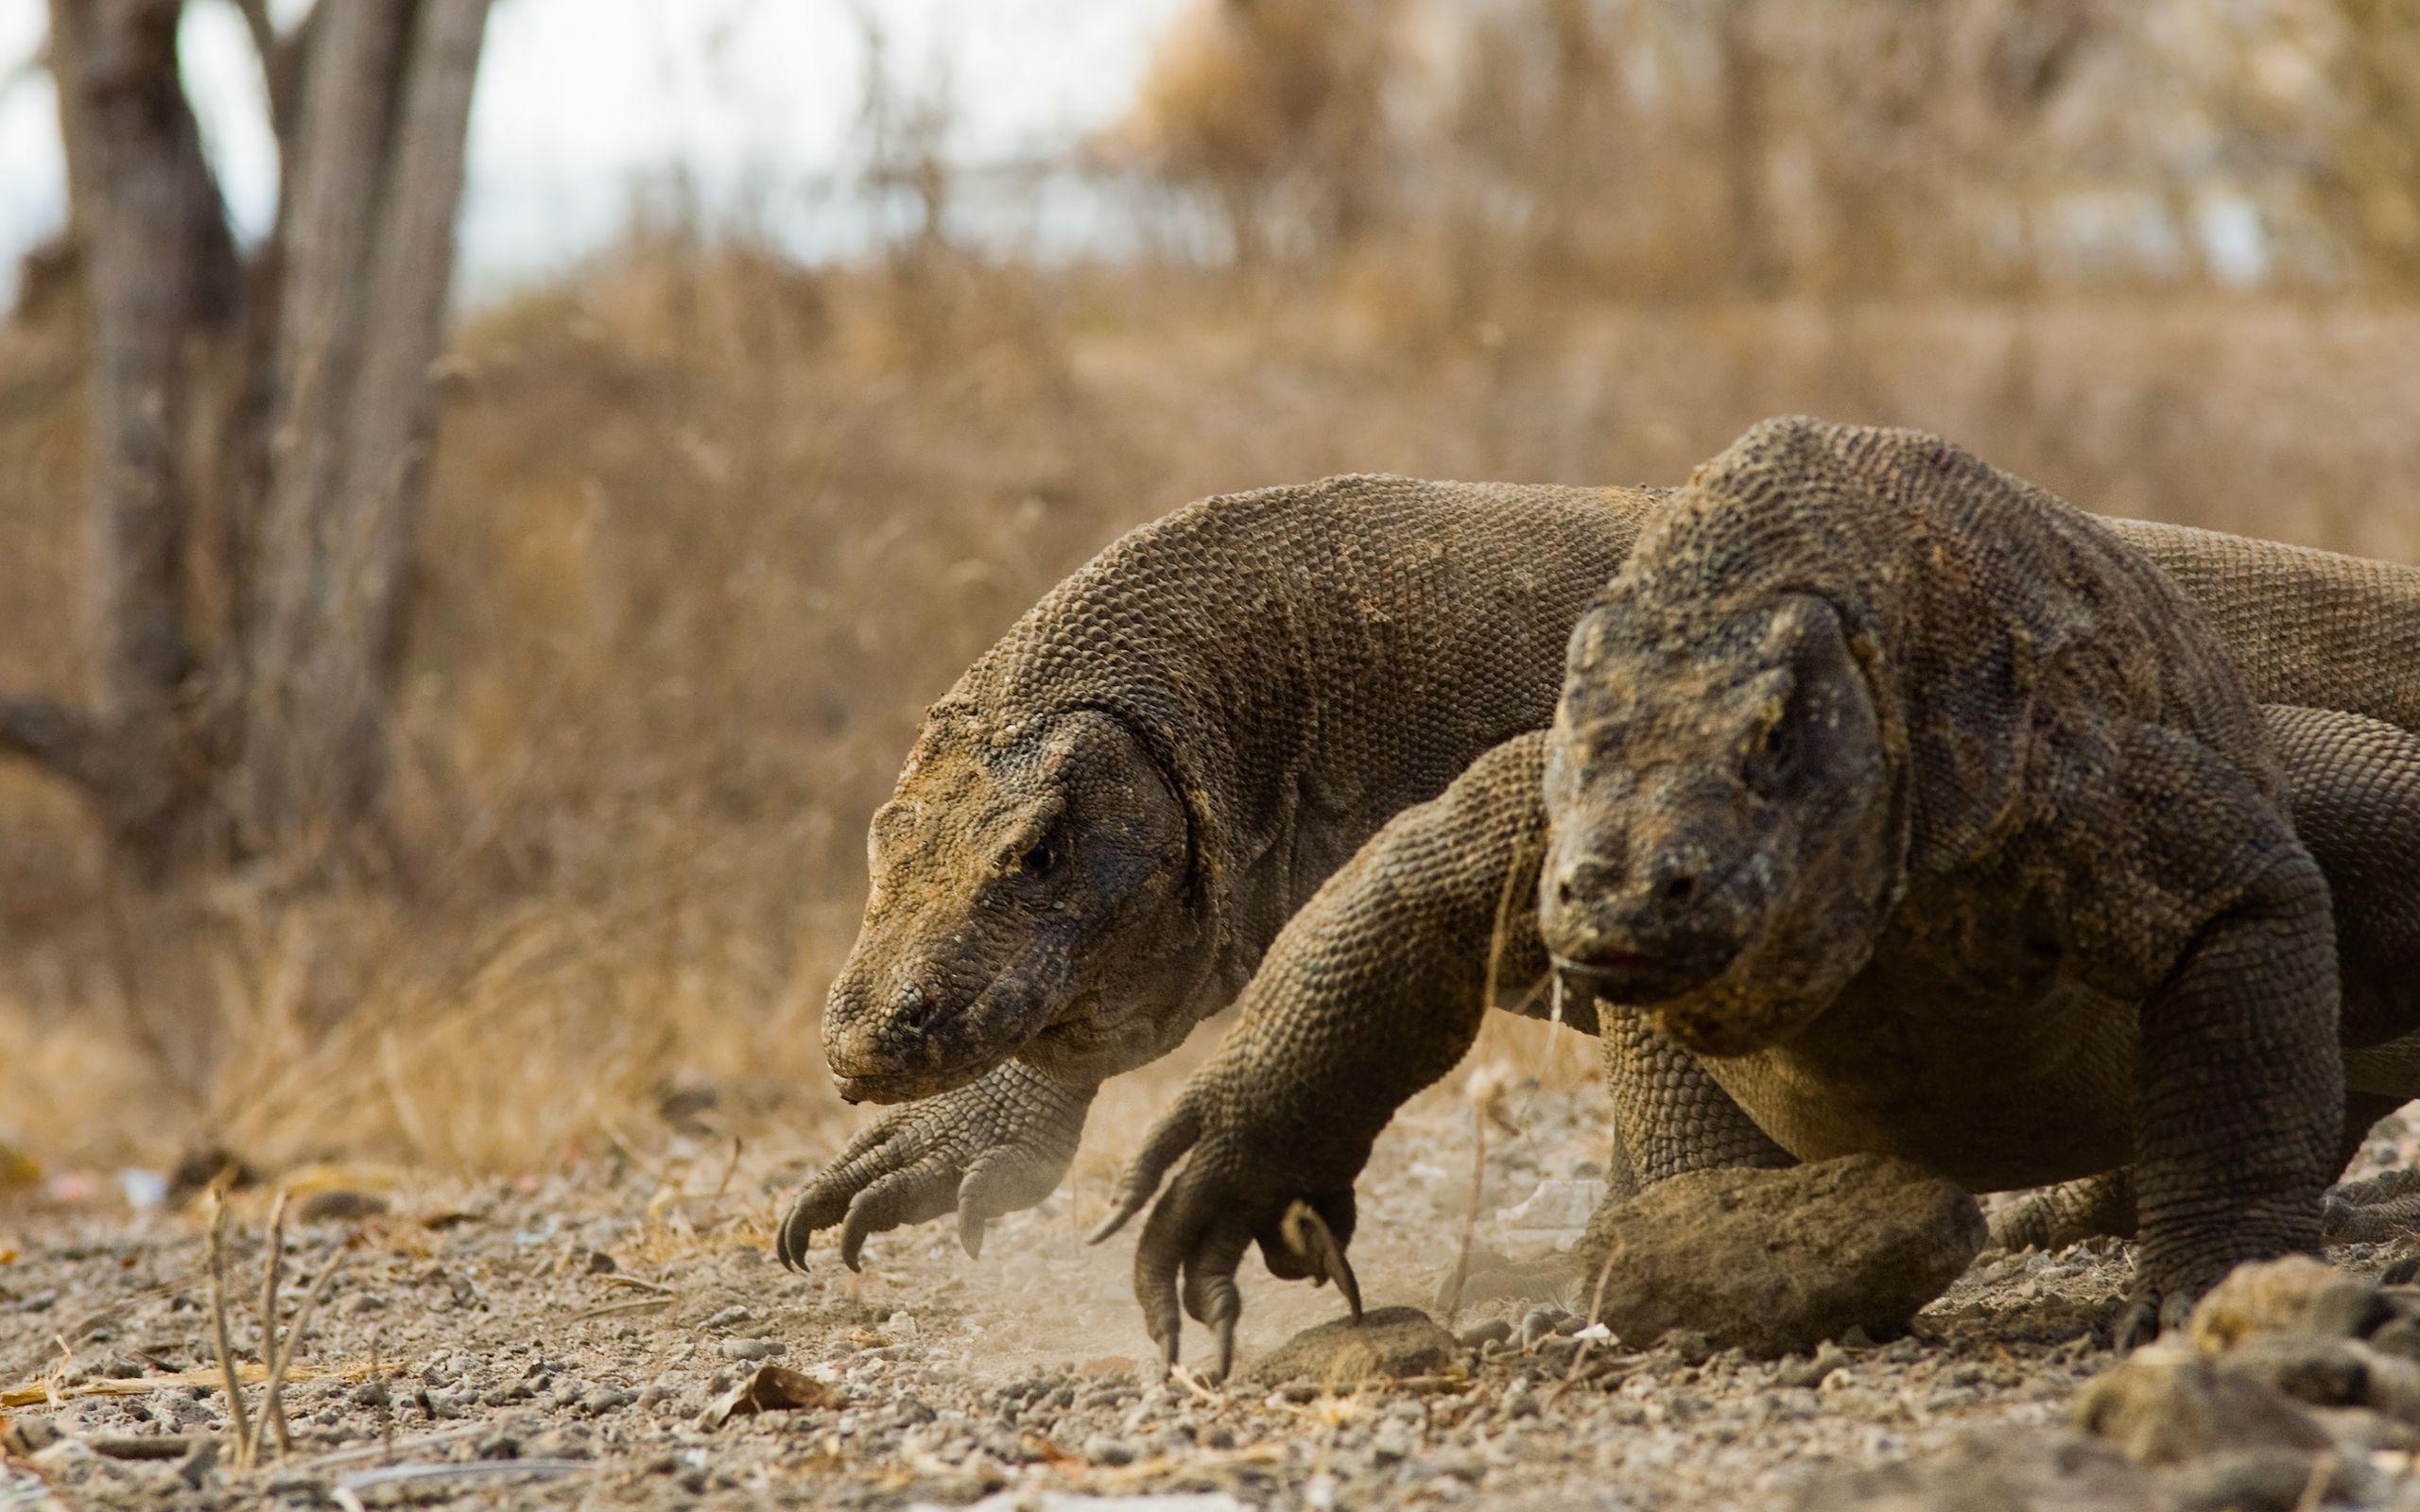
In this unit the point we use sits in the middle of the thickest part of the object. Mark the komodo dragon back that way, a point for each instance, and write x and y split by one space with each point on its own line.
2305 626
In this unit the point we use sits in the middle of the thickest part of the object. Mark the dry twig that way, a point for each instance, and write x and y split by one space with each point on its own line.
273 1267
272 1406
237 1417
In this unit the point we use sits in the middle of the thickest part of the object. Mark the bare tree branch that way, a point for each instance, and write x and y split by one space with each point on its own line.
280 58
64 741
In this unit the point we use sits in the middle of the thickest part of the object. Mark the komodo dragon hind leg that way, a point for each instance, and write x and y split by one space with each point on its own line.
2381 1207
2090 1207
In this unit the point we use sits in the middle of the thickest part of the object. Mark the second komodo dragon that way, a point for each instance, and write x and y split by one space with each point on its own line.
1923 816
1105 823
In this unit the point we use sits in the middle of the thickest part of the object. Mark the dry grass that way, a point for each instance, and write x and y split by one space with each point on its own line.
709 530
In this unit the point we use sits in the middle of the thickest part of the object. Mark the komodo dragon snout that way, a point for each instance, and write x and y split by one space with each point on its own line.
1014 862
1687 873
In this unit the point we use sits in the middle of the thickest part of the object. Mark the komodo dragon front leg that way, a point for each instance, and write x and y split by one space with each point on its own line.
2353 784
992 1146
1399 950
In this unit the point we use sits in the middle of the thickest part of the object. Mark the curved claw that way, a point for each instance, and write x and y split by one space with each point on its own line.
2136 1326
1127 1208
790 1243
1309 1236
1223 1334
972 1224
1174 1134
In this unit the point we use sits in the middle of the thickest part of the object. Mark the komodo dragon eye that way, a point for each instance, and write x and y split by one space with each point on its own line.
1042 859
1773 747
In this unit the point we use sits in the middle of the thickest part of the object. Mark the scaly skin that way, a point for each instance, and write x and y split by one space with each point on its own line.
1284 671
2037 830
1397 949
1105 823
1935 823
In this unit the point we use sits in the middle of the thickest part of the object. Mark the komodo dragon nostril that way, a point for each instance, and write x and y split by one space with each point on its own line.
1582 882
915 1005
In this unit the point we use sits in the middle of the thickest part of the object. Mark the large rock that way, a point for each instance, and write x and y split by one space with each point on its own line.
1777 1261
1389 1344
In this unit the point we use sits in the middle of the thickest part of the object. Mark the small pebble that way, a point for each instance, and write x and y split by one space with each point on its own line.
750 1348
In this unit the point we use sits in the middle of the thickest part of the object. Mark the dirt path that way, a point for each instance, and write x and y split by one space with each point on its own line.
555 1343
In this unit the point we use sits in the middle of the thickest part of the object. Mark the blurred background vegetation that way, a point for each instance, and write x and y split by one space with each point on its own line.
714 513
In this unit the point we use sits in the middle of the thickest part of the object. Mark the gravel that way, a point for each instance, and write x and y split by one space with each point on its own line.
511 1371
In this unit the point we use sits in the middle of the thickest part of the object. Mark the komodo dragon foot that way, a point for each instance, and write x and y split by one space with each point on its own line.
2374 1211
1291 1197
992 1146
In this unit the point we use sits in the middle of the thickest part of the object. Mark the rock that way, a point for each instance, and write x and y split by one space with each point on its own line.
2270 1481
2399 1337
2036 1471
1775 1263
750 1348
1810 1372
1389 1344
1024 1501
1495 1331
1102 1449
2167 1404
2330 1372
2296 1294
340 1205
1539 1324
25 1437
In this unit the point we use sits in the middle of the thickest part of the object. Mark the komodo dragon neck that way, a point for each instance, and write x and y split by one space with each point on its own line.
1305 662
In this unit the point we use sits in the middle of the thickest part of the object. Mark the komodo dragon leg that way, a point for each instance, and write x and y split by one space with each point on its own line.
2355 786
992 1146
1372 992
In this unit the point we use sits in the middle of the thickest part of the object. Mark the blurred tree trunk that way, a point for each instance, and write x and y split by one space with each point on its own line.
1745 148
260 426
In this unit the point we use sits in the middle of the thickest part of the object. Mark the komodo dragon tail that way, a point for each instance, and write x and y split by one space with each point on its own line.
2309 628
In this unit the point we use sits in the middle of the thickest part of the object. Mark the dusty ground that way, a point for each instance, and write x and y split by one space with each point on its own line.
554 1343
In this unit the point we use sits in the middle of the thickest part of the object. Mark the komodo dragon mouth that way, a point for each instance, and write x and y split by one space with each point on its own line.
1634 979
897 1056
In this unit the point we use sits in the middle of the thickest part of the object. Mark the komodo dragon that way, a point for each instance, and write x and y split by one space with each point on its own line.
1104 825
1915 801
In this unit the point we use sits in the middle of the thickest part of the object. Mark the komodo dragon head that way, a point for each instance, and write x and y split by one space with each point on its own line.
1725 777
1027 874
1718 817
